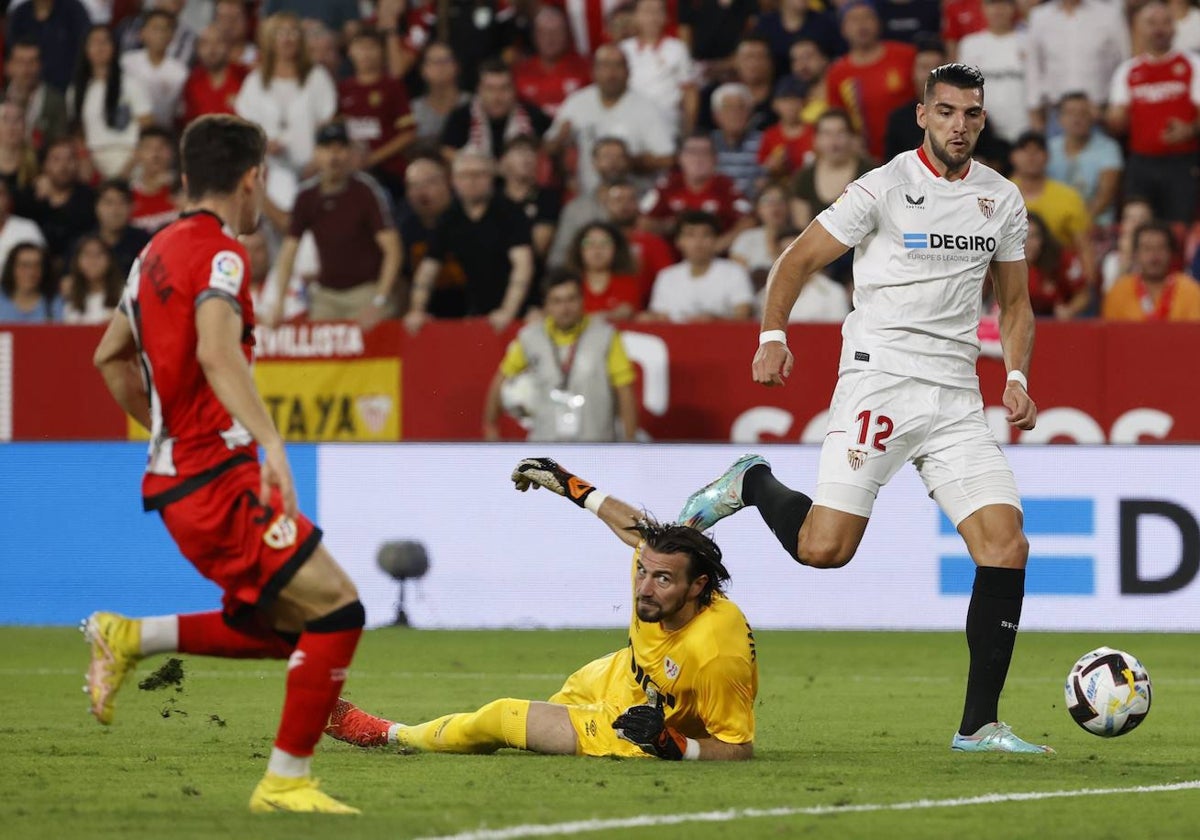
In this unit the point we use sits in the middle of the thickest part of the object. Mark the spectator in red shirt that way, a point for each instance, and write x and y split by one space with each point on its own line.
787 145
375 108
154 180
697 185
961 18
555 72
213 85
1058 287
600 255
651 253
229 17
1156 98
874 78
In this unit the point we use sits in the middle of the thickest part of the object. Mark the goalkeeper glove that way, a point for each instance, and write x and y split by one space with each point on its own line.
545 472
646 727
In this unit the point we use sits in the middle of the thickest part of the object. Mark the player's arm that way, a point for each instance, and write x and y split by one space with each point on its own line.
546 472
1011 282
116 359
219 352
809 253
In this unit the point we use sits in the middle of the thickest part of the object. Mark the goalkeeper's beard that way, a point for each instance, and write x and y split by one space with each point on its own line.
651 610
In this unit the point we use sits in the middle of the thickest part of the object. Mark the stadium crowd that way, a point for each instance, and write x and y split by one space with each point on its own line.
445 159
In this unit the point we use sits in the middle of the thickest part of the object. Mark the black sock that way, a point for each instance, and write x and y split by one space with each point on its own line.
992 621
782 508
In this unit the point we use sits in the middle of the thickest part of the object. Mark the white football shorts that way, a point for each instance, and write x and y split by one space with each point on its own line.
877 421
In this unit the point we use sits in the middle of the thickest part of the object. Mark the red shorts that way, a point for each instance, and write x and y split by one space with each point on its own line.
248 549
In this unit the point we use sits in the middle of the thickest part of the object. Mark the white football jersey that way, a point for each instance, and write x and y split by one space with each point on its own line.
922 248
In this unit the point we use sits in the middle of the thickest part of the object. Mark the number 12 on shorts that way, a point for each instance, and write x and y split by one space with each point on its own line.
883 425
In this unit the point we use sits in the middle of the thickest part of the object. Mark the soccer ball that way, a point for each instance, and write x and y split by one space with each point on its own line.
1108 692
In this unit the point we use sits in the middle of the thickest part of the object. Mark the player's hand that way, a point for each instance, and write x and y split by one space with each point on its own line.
646 727
1022 412
277 472
545 472
772 364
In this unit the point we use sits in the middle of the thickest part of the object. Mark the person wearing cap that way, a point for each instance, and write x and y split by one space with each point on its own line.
1060 205
787 145
874 78
357 243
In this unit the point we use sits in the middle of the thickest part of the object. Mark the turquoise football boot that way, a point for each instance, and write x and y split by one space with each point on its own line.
718 499
995 737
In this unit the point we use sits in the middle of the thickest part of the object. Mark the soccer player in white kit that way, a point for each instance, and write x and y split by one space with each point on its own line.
926 228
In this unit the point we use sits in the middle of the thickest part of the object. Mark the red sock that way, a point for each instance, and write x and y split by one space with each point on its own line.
316 672
207 634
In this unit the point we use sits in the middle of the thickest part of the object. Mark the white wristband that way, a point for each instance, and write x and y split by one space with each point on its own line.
767 336
594 500
692 753
1019 378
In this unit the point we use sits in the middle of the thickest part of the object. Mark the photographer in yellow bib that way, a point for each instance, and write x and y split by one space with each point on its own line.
683 689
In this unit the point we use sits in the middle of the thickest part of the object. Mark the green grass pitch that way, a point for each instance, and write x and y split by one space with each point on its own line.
844 719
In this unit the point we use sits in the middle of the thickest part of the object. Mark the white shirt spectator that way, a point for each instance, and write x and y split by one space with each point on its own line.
660 71
16 230
751 249
163 83
111 147
1002 59
94 311
1187 32
289 112
1073 51
681 296
821 301
634 118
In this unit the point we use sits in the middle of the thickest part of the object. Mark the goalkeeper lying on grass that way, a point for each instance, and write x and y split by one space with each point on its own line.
684 688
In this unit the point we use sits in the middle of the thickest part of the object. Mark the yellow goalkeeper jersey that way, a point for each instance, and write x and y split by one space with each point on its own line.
705 673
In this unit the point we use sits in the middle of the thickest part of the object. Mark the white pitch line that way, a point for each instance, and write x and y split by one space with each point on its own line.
655 820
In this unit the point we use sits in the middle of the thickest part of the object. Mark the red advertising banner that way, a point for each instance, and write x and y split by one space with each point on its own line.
1093 382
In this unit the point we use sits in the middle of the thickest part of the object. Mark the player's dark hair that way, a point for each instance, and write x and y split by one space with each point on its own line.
622 261
704 557
1154 226
217 150
957 74
698 217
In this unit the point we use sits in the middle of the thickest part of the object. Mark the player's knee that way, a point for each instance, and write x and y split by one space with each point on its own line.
824 553
351 616
1008 552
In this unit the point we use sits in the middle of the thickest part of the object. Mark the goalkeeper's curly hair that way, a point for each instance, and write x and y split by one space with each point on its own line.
704 557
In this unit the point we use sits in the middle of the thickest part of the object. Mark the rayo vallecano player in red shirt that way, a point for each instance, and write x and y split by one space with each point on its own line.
176 357
926 229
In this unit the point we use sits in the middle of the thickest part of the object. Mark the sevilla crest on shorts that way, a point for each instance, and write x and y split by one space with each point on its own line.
987 206
856 457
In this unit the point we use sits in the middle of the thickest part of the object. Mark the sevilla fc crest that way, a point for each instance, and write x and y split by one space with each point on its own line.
987 206
856 457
